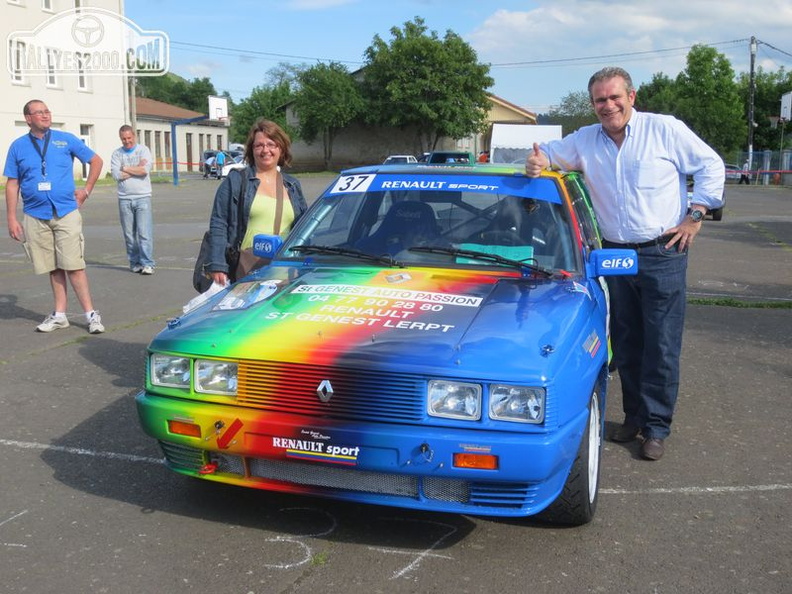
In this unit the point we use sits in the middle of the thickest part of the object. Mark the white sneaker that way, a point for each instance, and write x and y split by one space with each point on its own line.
147 270
137 268
51 323
95 324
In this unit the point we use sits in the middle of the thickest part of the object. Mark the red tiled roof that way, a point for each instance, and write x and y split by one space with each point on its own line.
513 107
158 109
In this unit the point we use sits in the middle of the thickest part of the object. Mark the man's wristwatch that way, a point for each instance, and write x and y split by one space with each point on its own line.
696 215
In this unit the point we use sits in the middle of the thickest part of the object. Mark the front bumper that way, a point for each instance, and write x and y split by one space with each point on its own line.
402 465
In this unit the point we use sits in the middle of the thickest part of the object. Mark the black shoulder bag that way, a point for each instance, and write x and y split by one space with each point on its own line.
202 279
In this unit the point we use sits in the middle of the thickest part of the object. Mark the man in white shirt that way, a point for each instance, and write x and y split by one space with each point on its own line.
130 166
636 166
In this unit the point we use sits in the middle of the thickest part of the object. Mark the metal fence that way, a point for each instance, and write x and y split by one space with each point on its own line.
767 167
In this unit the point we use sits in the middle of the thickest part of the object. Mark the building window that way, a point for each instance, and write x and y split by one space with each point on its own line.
219 141
82 75
86 135
189 141
52 80
158 149
46 5
17 52
168 162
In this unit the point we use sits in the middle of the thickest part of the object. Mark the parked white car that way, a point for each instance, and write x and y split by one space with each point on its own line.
235 163
397 159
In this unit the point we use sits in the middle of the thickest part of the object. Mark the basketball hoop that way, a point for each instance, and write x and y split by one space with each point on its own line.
218 109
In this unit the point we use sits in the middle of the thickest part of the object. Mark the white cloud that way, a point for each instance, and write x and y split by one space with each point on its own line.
557 44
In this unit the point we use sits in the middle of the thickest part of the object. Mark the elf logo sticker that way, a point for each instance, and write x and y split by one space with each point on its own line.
618 263
614 262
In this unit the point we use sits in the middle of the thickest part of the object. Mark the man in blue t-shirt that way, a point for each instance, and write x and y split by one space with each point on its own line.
220 160
39 167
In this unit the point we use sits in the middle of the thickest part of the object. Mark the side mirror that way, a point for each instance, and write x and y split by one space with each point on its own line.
613 262
266 246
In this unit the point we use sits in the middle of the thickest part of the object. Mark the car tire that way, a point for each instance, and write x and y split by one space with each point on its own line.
577 502
717 214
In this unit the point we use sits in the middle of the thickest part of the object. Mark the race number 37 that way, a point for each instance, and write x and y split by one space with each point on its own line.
352 183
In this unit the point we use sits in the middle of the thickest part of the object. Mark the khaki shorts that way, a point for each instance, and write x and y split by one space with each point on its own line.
55 243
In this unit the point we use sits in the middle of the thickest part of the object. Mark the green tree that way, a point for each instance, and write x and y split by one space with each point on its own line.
328 100
419 80
768 89
708 100
175 90
264 102
574 112
657 96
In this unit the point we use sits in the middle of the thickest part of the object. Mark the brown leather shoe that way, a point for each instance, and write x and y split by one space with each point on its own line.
653 448
625 433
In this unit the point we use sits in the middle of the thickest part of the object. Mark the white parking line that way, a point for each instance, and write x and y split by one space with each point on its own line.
29 445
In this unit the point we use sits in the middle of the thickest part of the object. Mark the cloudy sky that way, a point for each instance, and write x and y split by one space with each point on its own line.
539 51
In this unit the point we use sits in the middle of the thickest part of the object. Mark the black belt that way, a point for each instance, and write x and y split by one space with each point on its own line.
662 240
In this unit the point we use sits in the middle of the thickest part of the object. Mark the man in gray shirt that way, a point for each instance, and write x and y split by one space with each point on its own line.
130 166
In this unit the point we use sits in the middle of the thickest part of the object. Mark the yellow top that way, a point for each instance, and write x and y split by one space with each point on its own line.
262 217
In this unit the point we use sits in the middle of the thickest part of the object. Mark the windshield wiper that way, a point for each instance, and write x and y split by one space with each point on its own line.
476 255
341 251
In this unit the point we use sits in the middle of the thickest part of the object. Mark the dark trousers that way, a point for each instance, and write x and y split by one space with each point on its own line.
647 320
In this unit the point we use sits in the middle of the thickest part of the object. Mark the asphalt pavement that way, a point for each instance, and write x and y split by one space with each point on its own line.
87 506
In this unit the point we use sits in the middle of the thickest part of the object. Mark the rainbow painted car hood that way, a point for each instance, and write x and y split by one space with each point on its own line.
416 319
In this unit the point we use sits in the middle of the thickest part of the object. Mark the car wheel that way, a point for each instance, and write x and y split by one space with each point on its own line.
578 499
717 214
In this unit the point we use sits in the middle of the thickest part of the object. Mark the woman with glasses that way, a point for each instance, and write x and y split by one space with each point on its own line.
272 202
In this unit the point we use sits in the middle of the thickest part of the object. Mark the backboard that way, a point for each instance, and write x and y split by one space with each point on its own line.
218 108
786 106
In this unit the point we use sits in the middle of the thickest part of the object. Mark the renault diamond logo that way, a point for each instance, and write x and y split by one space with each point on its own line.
325 391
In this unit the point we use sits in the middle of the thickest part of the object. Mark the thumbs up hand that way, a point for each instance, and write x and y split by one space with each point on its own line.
536 162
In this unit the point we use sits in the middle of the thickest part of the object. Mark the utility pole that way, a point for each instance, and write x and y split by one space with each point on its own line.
751 92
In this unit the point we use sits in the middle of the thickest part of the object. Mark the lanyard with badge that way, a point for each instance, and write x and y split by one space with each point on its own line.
44 185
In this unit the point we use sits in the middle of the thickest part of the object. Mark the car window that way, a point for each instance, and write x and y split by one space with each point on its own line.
392 222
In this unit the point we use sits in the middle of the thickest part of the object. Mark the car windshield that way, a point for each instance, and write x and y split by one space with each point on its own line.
412 223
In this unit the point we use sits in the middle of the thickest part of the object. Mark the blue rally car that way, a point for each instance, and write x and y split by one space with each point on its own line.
429 337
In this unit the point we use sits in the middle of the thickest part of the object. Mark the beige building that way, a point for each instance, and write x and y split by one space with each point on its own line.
90 104
364 145
155 129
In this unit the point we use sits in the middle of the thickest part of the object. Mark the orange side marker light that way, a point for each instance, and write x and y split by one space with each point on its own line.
183 428
479 461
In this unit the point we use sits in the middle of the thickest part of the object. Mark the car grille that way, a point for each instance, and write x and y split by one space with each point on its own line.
357 394
496 495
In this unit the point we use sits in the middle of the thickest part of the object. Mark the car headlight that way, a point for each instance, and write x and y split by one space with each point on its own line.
166 370
454 400
517 403
216 377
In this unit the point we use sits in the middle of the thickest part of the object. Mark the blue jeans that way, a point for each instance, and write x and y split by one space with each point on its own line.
137 226
647 320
